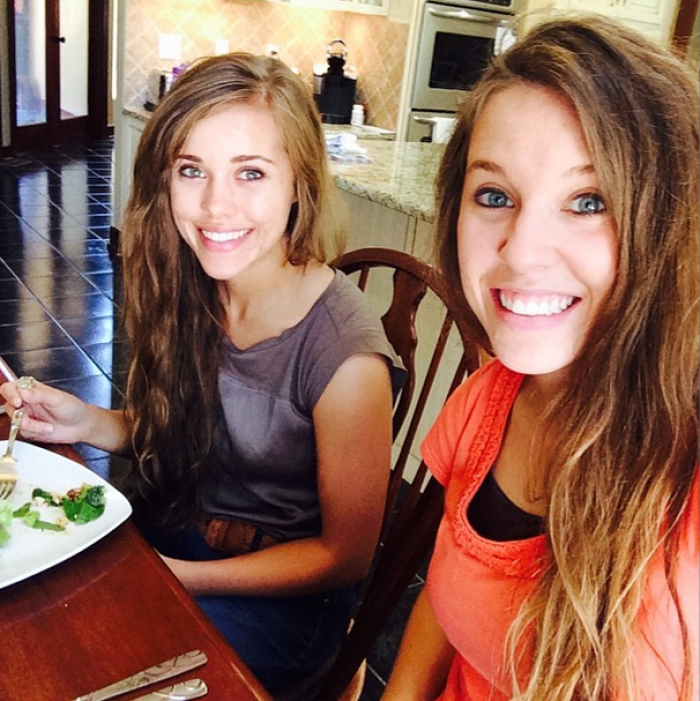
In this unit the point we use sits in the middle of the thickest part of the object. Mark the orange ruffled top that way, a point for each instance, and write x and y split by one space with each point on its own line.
476 586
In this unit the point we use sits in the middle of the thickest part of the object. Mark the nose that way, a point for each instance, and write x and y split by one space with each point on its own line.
529 239
219 197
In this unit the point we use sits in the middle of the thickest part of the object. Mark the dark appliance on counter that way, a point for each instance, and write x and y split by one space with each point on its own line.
456 40
159 84
337 95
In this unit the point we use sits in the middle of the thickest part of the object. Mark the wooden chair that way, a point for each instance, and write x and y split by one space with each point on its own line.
414 501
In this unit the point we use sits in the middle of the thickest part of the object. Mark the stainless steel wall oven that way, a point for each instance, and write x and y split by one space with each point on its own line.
455 42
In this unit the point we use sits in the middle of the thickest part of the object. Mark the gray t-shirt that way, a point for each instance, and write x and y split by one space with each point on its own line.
262 468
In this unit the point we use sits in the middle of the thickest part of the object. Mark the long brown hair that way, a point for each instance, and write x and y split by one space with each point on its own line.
173 314
625 455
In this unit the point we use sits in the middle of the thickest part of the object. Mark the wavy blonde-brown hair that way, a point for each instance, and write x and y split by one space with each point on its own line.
173 313
625 452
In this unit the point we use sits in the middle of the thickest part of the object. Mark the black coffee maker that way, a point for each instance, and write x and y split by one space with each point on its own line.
337 90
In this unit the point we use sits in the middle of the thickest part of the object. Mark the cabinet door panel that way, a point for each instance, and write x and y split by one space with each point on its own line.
650 17
603 7
128 132
642 10
371 224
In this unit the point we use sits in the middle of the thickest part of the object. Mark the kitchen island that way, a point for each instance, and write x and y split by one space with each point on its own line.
400 176
390 199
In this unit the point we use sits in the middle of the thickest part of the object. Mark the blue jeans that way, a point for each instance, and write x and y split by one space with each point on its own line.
281 639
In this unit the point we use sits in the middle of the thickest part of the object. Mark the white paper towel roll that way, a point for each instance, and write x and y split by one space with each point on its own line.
442 129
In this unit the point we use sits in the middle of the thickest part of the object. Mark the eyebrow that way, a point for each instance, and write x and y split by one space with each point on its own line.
488 166
491 167
243 158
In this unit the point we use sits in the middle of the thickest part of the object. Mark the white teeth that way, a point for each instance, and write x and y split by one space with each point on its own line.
543 307
221 236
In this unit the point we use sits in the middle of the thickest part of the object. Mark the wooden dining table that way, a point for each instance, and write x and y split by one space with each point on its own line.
110 611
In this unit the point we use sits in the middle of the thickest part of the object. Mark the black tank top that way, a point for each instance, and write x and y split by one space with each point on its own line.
494 516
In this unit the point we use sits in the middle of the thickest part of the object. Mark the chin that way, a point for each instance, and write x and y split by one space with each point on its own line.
536 365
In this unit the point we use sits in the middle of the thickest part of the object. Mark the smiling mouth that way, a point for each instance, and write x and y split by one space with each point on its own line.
547 305
223 236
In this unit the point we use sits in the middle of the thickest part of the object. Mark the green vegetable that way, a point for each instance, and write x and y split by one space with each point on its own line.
47 526
5 520
47 496
80 506
22 511
5 513
84 505
31 518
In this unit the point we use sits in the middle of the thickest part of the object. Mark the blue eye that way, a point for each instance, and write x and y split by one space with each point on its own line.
190 171
493 198
589 203
251 174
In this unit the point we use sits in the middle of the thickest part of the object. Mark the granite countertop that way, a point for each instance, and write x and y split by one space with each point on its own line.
139 112
401 176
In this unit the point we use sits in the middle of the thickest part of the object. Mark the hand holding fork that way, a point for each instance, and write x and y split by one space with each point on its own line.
8 463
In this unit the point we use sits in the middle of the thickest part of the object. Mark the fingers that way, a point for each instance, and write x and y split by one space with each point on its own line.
27 392
35 429
51 414
19 392
11 393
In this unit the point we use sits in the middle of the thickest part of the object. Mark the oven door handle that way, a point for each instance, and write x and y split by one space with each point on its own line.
464 16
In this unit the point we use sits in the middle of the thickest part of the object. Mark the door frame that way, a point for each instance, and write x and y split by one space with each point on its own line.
683 28
94 124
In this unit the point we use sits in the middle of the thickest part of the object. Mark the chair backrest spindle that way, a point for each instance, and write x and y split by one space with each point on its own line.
414 500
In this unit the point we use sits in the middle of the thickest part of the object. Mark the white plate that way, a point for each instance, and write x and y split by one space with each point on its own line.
30 551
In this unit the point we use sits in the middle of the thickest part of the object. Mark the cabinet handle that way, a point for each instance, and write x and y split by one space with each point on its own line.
465 16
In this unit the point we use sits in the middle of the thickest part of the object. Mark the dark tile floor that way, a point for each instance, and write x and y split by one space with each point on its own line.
59 303
59 289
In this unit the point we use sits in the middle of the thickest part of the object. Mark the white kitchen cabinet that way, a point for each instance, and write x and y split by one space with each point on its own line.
424 241
373 224
368 7
602 7
128 130
653 11
652 18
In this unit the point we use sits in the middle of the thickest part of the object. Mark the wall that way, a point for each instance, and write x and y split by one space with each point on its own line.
376 44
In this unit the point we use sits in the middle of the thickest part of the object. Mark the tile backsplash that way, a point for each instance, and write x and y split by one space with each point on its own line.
376 44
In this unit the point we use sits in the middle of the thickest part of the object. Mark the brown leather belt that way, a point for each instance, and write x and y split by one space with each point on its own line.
234 537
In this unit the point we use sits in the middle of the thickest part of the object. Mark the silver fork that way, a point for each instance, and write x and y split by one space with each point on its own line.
8 471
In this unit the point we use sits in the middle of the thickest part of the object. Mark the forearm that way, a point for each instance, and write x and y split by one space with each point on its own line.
106 429
289 569
424 657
